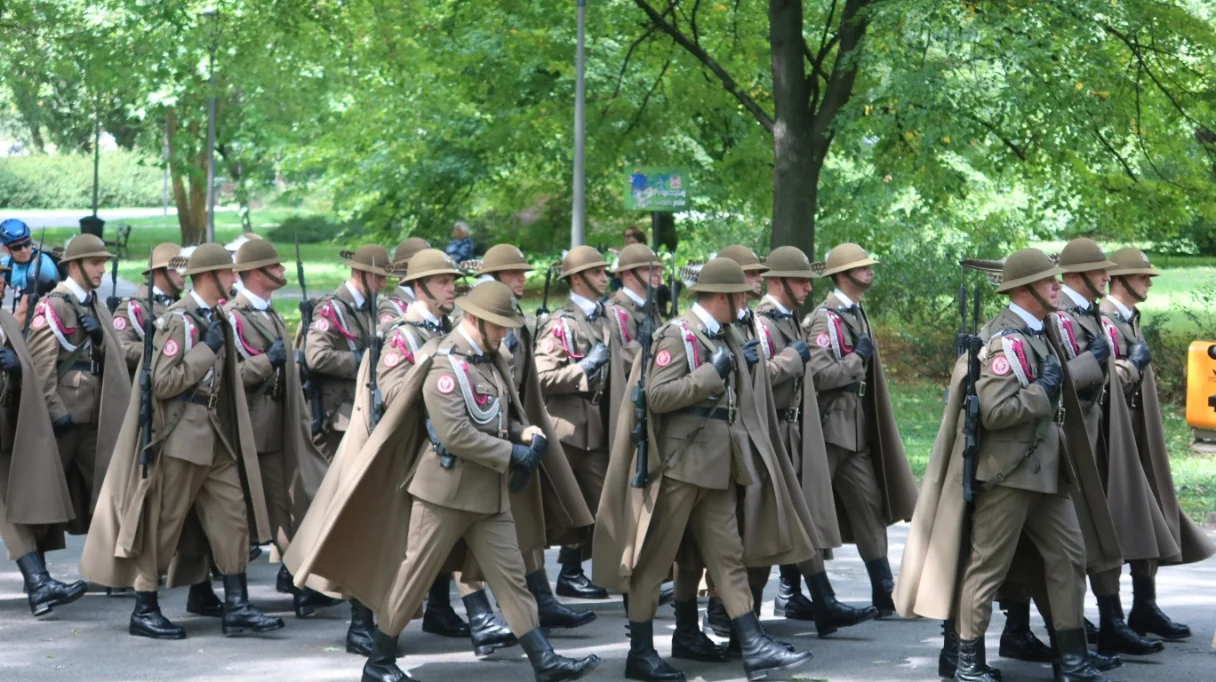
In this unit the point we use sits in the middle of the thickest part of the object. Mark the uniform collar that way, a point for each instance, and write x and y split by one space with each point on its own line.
633 296
780 308
1077 298
586 305
424 311
157 292
355 293
407 292
256 301
845 301
710 323
199 300
77 290
473 345
1123 310
1032 322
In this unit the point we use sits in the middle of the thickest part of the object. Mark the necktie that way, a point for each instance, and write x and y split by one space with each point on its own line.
713 335
477 359
88 300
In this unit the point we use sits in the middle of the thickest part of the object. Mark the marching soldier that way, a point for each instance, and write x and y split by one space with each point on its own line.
203 454
1133 392
871 480
708 434
167 285
35 504
289 462
571 354
395 303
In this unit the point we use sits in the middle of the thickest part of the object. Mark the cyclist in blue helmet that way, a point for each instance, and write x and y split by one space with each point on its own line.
15 235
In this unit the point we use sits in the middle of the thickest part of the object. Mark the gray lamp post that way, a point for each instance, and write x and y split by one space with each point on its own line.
580 134
214 36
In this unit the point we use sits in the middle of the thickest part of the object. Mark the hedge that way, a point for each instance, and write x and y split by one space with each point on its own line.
127 180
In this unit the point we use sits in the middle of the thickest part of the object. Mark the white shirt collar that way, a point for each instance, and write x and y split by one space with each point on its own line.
781 308
476 347
257 301
77 290
1034 323
633 296
588 306
238 286
157 292
741 313
1077 298
710 323
844 299
355 292
199 300
425 311
409 293
1123 310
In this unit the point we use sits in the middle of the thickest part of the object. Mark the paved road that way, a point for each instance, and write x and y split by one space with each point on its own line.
88 641
70 217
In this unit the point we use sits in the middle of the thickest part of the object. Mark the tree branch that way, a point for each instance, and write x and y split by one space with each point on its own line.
844 73
629 55
992 129
1113 152
637 117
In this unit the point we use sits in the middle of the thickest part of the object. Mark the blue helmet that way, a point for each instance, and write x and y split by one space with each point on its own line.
13 231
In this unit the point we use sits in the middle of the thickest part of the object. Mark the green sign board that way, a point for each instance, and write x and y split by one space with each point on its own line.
658 189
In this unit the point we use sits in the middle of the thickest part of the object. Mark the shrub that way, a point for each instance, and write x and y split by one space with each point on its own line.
126 180
311 229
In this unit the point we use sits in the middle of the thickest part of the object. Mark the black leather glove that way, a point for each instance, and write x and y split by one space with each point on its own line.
512 341
1140 355
1099 347
721 360
540 445
524 457
864 347
93 328
214 336
358 357
277 354
596 358
306 310
804 351
751 352
63 424
9 361
1051 375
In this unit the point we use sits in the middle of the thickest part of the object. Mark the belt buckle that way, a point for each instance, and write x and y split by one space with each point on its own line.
731 413
861 388
1060 415
794 414
597 396
213 399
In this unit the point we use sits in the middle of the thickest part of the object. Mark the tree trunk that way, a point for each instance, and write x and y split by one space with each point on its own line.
795 168
191 202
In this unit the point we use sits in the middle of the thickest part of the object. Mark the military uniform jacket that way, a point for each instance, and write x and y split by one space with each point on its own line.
129 319
1073 330
776 330
339 328
255 330
625 319
389 308
577 404
403 339
839 373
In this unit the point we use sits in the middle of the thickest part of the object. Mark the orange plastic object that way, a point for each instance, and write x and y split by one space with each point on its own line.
1201 385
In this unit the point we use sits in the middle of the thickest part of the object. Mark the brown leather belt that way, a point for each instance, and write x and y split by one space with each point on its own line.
207 401
719 413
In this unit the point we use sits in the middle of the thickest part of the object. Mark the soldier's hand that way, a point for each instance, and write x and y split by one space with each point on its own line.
721 360
524 457
63 424
358 357
214 336
1099 347
539 445
596 358
9 361
864 347
530 433
92 327
751 352
1140 355
1051 375
512 340
306 308
277 354
804 351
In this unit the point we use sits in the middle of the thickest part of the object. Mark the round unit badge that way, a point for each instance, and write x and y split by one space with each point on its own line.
446 384
385 318
392 360
1000 365
39 322
120 323
823 341
321 325
547 346
171 348
663 358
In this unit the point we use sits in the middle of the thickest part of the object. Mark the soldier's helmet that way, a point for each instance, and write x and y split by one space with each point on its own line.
256 253
721 276
371 258
429 263
581 259
1026 266
407 249
494 302
503 258
745 257
789 261
1083 255
208 257
1131 261
162 255
636 256
85 246
847 256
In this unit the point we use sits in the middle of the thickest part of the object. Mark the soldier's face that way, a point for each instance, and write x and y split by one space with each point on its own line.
1140 284
93 270
515 280
597 278
377 282
754 280
1048 290
494 334
443 288
800 288
177 279
227 278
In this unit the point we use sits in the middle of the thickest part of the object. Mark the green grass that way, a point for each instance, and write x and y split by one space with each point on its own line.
918 409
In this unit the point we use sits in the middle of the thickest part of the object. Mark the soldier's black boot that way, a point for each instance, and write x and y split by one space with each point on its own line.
438 618
239 614
1018 642
202 601
688 642
381 664
486 633
1091 632
1075 663
255 552
947 658
830 614
972 662
549 666
882 584
761 654
304 600
1099 661
554 614
790 602
571 581
716 618
283 582
44 592
148 621
1146 618
1114 637
361 633
643 662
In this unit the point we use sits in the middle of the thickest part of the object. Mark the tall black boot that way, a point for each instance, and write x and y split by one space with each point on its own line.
972 662
1147 618
283 582
239 614
790 601
438 618
882 584
1091 632
554 614
549 666
255 552
202 601
44 592
571 581
381 665
486 633
830 614
1114 637
1100 662
688 642
947 658
1018 642
1074 663
757 598
716 618
304 600
360 636
148 621
761 654
643 662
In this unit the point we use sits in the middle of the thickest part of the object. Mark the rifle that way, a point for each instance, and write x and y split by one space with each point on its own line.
31 301
373 351
112 299
311 387
145 383
543 311
672 283
971 344
640 435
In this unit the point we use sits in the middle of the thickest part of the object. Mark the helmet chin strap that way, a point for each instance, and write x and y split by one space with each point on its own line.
219 287
280 281
861 286
1130 291
789 293
1089 284
597 292
1041 301
485 338
170 288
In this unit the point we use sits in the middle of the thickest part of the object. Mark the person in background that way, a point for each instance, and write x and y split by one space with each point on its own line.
633 235
15 235
461 247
